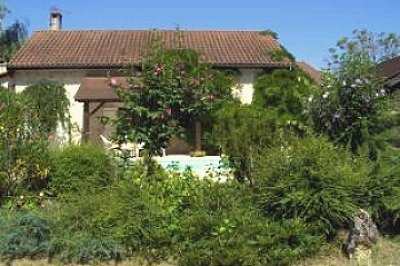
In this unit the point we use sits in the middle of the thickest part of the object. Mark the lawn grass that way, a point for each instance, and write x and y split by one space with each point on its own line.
44 262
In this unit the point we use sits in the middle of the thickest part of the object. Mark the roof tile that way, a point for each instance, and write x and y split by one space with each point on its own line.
114 48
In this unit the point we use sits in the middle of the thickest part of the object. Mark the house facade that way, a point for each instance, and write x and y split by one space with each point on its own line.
82 61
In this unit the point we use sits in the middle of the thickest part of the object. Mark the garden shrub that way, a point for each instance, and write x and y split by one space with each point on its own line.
24 157
384 191
24 234
354 107
285 91
79 168
243 236
84 247
243 129
179 218
312 180
278 112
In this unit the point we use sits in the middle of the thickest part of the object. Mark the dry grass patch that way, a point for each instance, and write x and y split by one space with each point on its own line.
44 262
385 253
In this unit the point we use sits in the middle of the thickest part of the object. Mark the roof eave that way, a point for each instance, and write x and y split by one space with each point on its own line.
17 67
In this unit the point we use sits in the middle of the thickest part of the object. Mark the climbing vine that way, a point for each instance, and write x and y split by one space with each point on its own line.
49 105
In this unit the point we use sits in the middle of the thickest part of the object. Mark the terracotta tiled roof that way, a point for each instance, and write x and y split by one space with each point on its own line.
114 48
390 68
311 71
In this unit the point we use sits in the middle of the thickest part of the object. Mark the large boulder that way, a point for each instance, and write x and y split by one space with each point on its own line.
363 235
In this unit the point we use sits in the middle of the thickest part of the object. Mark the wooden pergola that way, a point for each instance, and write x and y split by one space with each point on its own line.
94 90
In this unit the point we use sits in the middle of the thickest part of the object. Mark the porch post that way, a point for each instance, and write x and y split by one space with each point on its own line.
198 135
86 122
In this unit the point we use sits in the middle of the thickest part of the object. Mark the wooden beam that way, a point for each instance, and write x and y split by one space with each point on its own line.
198 135
97 108
86 122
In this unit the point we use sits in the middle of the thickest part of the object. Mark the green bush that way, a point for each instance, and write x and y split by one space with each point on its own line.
384 191
243 237
278 112
24 156
242 130
179 217
83 247
313 180
24 234
79 168
286 91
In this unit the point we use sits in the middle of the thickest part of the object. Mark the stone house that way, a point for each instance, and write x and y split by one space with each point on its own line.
83 59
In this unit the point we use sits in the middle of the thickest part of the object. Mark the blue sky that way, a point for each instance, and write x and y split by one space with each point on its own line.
307 28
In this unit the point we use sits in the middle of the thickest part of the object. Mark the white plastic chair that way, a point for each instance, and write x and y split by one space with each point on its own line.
108 143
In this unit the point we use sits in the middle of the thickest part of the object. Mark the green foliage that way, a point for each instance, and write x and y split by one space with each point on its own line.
23 154
23 234
285 91
26 121
311 180
11 37
279 113
173 90
384 191
354 107
48 105
241 130
281 54
84 248
178 217
81 168
271 33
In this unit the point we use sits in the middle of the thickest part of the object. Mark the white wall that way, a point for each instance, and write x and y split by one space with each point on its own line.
70 78
4 79
244 90
4 82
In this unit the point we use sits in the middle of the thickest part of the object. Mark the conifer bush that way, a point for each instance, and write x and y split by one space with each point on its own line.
384 191
312 180
24 234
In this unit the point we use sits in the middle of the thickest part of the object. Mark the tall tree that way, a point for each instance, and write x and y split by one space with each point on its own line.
354 107
11 36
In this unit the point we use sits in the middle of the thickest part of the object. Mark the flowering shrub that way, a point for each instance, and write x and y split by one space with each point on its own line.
354 107
172 91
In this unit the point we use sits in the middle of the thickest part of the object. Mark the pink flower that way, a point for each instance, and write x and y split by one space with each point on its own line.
113 81
168 111
158 69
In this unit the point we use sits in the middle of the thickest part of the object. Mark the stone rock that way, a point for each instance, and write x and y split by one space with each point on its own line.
363 235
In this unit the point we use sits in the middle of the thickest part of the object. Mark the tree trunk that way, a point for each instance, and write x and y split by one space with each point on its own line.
86 122
198 135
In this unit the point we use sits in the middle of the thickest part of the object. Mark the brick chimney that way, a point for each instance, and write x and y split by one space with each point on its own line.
55 20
